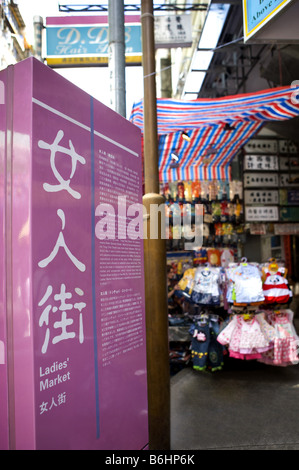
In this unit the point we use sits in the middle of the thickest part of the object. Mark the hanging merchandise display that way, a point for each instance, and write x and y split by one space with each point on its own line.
220 204
242 310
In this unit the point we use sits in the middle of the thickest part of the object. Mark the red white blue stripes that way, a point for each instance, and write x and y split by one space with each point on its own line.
212 146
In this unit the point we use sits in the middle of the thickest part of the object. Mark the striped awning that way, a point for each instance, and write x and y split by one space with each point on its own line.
217 129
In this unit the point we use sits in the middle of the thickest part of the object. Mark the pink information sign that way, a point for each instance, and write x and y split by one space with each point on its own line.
74 354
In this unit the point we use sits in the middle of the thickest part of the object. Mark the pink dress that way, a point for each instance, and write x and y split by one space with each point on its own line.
284 351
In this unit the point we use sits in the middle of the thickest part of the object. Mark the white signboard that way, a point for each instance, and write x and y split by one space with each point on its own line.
261 196
259 214
261 162
260 180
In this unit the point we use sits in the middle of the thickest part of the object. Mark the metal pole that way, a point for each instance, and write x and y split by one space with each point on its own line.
154 254
117 64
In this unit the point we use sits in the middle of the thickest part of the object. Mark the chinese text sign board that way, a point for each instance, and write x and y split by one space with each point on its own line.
76 342
258 13
85 41
173 31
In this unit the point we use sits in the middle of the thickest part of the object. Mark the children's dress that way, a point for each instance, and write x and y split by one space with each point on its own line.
284 351
276 288
206 287
185 285
206 352
245 284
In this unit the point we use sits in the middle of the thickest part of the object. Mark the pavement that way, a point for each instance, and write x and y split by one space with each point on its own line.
246 406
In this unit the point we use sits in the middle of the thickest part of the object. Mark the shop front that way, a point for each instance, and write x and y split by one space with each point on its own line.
241 282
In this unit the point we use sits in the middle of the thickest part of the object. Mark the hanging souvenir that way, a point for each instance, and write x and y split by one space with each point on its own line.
167 210
164 187
176 232
188 191
226 257
225 190
173 191
204 191
186 210
168 232
207 216
224 212
201 256
213 190
181 191
206 351
205 230
188 232
238 211
216 211
218 229
235 190
182 208
228 229
231 212
221 191
214 256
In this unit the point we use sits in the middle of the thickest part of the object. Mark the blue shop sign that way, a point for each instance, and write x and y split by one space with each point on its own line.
258 12
68 42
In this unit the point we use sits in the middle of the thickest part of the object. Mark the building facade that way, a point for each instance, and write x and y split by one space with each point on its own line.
13 44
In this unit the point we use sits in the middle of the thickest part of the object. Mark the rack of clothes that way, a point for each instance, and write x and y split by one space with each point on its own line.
257 323
266 335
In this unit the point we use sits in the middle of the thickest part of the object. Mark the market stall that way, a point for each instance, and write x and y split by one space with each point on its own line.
198 141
